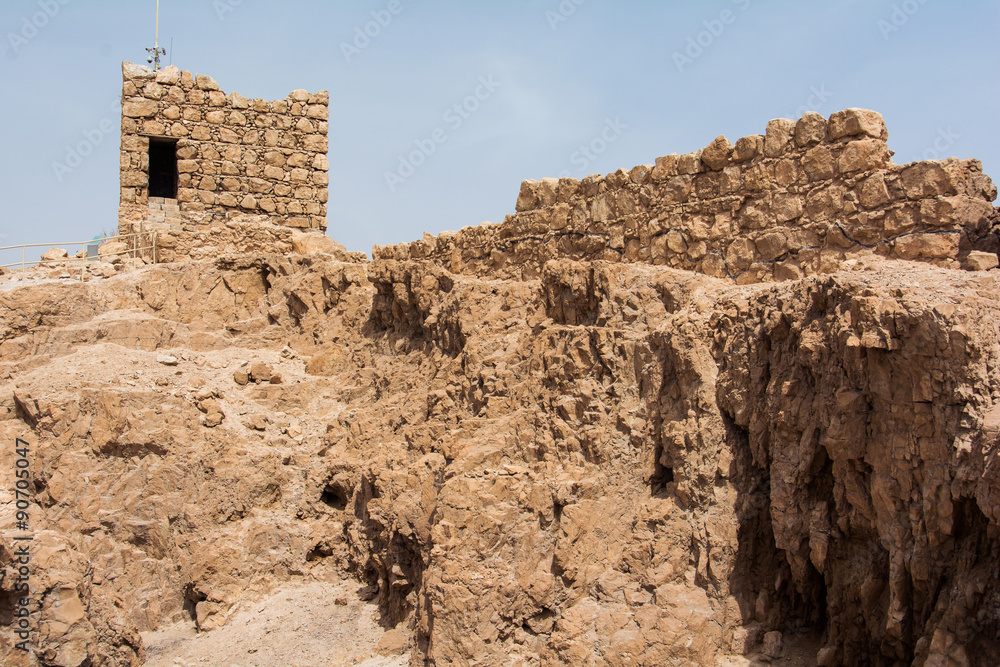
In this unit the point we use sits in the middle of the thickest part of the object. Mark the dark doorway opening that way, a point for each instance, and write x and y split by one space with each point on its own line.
163 168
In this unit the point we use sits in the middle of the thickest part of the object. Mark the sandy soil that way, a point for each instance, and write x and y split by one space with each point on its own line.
304 625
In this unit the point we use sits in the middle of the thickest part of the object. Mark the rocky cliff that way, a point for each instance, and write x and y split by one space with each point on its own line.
541 452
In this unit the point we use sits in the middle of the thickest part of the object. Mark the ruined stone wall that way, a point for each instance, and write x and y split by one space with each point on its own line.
236 156
798 200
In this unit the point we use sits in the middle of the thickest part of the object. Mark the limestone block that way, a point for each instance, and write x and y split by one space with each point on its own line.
140 108
747 148
926 246
771 245
170 76
855 122
690 164
315 142
274 173
133 71
787 207
666 167
863 155
716 154
527 199
874 192
810 129
134 179
152 91
982 261
216 117
778 136
322 163
740 254
928 179
318 111
154 128
204 82
216 98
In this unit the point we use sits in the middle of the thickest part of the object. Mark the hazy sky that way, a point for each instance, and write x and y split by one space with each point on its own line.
544 88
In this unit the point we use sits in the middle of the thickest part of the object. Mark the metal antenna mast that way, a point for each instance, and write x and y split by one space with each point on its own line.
156 51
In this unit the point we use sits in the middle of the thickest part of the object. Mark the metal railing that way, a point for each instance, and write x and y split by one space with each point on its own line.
139 245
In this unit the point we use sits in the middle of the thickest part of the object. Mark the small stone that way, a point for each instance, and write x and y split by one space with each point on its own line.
393 642
772 645
982 261
241 377
54 255
167 360
260 372
826 657
257 422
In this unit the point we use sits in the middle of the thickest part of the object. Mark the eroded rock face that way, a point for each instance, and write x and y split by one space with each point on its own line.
591 462
613 463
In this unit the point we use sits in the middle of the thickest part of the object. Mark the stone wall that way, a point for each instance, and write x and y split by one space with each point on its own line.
799 200
237 157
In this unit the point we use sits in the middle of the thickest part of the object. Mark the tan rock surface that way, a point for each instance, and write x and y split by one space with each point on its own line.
591 461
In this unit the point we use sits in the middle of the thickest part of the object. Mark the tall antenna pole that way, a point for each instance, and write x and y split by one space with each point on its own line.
156 51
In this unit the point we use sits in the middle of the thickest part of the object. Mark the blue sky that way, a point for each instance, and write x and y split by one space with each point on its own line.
631 80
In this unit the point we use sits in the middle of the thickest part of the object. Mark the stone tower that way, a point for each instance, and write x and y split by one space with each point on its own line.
212 172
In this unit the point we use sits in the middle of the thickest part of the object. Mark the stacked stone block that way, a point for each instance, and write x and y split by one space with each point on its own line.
236 156
798 200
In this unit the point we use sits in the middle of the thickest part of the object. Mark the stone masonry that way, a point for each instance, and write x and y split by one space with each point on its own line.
799 200
249 172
